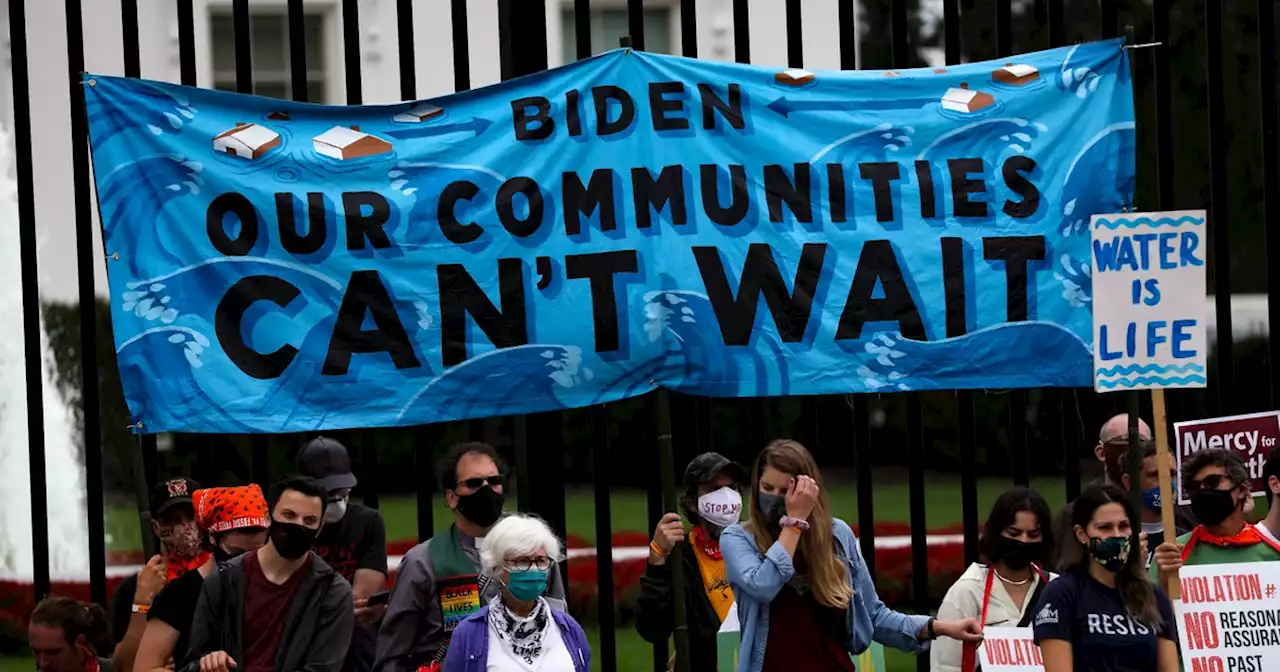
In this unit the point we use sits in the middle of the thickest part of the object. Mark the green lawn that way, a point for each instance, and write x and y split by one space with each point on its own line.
629 514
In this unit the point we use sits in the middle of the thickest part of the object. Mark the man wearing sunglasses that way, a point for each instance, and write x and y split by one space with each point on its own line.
439 582
1218 484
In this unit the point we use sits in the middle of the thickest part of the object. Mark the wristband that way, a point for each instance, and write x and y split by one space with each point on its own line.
653 546
141 608
932 635
797 523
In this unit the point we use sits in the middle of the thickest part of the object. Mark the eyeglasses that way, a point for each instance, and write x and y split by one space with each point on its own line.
541 562
1211 482
477 483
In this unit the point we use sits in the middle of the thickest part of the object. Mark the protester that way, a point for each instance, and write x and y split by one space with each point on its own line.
279 608
1102 615
795 571
1270 525
353 542
518 631
1219 486
232 521
66 635
1015 540
173 521
445 570
712 501
1112 451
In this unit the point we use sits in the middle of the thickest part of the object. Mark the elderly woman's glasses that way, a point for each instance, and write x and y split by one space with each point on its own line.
541 562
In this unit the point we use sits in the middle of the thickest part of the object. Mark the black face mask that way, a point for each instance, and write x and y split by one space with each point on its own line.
292 541
222 556
772 507
1017 554
1213 506
482 507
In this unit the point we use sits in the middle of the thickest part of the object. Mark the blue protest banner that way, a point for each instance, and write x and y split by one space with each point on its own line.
586 234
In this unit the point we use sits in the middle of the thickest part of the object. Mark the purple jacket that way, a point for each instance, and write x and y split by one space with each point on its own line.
469 647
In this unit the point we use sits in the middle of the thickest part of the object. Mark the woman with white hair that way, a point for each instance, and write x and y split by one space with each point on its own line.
517 631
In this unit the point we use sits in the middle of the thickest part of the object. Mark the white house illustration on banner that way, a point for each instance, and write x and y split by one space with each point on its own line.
419 114
247 141
966 100
1016 75
345 143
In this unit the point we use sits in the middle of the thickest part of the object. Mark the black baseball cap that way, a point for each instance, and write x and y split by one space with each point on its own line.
707 466
327 461
170 493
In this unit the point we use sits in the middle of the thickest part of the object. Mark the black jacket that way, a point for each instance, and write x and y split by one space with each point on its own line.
318 627
656 616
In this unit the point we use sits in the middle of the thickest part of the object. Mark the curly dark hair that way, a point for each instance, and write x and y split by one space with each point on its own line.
1215 457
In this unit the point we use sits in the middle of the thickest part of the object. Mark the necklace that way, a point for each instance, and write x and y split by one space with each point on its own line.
1011 583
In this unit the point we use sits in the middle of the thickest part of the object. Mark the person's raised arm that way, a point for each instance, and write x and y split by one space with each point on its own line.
761 578
156 649
150 582
655 615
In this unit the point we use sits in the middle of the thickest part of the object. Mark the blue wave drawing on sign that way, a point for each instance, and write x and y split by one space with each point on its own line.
140 191
1104 223
1151 381
1149 368
152 109
492 382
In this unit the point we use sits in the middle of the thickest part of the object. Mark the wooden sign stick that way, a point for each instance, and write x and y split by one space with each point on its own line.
1168 498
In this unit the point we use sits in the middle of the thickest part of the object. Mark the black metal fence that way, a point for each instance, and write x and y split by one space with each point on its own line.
1195 150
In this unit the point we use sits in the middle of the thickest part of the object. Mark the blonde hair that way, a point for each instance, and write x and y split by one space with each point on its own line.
827 575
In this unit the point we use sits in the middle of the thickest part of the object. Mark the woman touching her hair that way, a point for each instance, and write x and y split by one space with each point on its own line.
805 599
1103 614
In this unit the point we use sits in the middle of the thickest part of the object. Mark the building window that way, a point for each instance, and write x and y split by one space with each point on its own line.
269 44
608 26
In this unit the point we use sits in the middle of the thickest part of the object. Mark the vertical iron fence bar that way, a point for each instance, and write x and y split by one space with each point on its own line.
1071 413
582 36
795 48
689 29
461 47
898 33
297 50
848 35
1019 456
861 406
951 30
86 260
653 492
1270 171
1110 15
351 51
186 42
919 525
369 468
243 46
741 31
635 23
1057 27
1219 218
30 297
404 44
129 38
601 475
1004 28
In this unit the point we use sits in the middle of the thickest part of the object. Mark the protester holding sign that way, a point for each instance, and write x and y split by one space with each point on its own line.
1219 486
1102 614
439 582
712 501
1015 539
805 599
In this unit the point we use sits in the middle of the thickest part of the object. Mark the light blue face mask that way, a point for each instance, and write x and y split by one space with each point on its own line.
527 585
1151 496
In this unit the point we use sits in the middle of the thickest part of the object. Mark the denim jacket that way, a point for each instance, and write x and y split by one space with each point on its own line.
756 580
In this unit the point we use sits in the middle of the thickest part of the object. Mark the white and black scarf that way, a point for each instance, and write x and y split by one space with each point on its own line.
523 636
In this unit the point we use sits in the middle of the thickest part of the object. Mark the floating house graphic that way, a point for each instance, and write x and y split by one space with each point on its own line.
794 77
965 100
343 143
419 114
247 141
279 115
1016 75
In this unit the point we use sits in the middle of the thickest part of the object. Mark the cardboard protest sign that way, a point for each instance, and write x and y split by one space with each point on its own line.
1149 282
589 233
1229 617
1010 650
1252 436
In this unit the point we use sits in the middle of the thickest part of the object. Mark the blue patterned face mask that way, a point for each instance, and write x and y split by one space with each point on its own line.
1151 496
